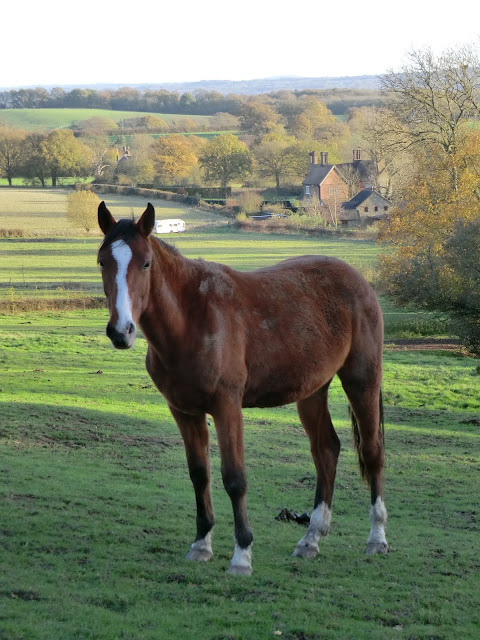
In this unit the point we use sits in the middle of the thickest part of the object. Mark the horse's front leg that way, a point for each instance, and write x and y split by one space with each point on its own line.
229 425
194 432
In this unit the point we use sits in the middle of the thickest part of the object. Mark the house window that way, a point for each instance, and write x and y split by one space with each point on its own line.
376 208
333 190
385 208
307 190
366 209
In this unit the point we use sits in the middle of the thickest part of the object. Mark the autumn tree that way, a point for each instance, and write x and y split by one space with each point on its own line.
82 209
35 162
424 263
12 152
222 121
173 158
64 155
258 118
278 156
315 121
225 158
461 293
95 126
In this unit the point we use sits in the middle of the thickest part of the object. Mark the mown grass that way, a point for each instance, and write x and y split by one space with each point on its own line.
48 119
40 213
60 272
55 262
97 511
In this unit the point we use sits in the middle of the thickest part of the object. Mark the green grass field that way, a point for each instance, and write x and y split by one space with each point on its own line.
96 506
97 511
48 119
57 264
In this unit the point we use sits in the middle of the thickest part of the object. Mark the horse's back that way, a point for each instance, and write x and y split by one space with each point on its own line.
302 319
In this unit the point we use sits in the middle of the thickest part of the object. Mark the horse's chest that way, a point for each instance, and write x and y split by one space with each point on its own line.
188 385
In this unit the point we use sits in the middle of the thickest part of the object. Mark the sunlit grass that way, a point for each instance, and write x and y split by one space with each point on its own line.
49 119
97 508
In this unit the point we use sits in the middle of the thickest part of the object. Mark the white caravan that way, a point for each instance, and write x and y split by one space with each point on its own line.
173 225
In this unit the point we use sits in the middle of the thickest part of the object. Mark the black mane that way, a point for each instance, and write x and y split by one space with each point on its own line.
124 229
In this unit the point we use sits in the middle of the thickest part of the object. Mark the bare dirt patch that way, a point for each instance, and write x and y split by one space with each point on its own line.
423 344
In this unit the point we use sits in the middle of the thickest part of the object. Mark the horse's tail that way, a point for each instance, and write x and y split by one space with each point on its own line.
356 432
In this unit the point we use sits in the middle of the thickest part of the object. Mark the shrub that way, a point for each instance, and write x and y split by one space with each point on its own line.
13 233
82 209
250 202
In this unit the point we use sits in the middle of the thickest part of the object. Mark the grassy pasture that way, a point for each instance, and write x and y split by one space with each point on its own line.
49 119
58 264
40 213
97 511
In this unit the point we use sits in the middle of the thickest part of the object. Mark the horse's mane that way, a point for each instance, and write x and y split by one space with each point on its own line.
164 245
124 229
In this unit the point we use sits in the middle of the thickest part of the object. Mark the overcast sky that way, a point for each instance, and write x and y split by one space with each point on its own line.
100 41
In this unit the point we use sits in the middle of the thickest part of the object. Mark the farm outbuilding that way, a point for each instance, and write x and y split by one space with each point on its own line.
367 206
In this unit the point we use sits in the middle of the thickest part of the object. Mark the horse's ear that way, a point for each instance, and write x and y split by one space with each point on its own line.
105 218
147 221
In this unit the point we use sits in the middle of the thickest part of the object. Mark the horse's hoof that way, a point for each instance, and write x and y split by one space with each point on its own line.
199 555
239 570
305 551
376 547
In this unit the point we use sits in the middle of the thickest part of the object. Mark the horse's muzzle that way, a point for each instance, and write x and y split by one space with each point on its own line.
122 339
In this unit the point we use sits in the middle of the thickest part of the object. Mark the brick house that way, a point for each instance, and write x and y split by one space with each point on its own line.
325 182
334 185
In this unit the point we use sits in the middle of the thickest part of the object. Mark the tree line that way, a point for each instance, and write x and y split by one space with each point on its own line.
272 143
198 102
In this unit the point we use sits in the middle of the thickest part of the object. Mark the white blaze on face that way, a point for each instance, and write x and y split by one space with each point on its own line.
122 254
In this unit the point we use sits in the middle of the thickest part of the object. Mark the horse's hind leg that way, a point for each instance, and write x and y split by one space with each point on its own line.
194 432
325 448
367 420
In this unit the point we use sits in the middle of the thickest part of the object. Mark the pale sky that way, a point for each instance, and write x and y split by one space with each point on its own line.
100 41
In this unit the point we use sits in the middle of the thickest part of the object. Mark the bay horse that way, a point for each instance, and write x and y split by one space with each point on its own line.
219 340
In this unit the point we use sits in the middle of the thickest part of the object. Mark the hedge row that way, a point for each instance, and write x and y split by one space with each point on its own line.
149 194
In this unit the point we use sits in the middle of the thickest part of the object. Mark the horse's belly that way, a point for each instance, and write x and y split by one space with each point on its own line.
283 388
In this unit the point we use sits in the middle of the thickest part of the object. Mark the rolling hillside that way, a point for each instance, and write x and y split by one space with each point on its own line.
48 119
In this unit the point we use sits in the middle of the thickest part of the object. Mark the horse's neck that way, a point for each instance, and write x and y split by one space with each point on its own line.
164 318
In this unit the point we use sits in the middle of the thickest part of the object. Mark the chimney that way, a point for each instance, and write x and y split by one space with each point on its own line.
356 154
313 157
325 156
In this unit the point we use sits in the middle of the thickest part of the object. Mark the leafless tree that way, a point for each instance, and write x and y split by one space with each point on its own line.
432 101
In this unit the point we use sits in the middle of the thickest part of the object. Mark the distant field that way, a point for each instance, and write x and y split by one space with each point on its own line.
56 265
41 212
49 119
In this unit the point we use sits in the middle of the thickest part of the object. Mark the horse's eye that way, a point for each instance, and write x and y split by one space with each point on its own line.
101 264
146 265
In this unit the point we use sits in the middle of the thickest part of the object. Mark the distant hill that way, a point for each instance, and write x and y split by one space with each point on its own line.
249 87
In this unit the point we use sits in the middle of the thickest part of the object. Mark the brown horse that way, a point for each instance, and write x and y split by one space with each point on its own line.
219 340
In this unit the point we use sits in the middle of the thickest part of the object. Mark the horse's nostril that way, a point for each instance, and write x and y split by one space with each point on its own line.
130 328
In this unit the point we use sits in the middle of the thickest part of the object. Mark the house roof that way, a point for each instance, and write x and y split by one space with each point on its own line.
364 195
317 173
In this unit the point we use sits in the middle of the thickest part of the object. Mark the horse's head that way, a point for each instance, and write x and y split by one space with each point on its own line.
124 258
